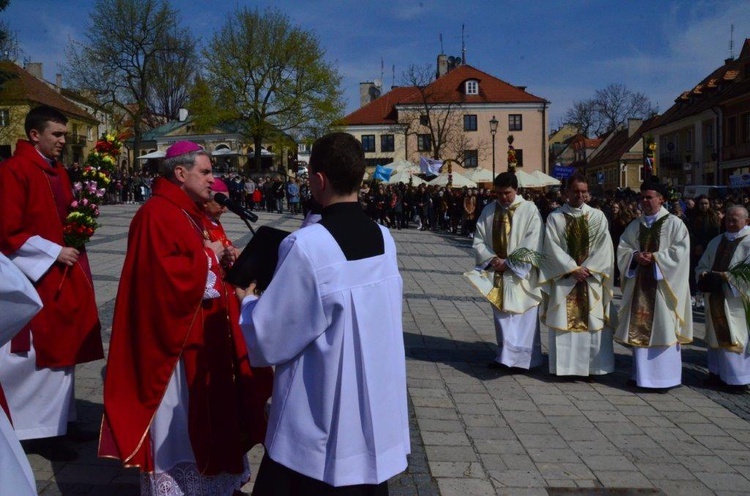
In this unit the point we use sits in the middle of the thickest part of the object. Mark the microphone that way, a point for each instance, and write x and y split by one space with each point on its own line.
243 213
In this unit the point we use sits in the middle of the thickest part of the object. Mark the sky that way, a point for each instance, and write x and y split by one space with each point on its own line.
562 51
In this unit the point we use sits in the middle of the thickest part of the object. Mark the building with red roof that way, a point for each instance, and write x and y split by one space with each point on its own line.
704 138
449 118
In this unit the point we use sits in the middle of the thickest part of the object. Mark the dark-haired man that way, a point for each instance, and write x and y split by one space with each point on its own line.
330 321
655 316
577 272
37 366
507 228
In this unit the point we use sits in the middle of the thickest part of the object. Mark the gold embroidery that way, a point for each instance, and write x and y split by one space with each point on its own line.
502 222
724 253
577 301
644 292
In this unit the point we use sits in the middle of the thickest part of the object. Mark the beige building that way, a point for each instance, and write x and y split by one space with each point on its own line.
449 119
618 161
25 90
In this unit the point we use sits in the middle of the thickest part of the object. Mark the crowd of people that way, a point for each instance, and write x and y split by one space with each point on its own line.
193 360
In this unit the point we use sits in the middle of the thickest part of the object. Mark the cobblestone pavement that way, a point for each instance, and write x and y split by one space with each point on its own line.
476 431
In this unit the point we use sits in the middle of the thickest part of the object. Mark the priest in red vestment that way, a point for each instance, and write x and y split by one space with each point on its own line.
37 366
173 397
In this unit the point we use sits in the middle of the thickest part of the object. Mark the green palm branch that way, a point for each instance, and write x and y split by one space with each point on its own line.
525 256
581 235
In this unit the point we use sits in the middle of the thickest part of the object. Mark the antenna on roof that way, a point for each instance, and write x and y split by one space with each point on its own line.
731 42
441 43
463 46
381 68
393 75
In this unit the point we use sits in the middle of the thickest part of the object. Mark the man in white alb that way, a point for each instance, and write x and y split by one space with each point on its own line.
655 317
506 228
726 319
330 321
577 270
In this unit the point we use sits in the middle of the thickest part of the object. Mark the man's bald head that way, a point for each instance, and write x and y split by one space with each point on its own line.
736 218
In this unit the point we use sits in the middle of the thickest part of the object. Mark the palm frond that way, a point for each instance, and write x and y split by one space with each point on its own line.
741 271
525 256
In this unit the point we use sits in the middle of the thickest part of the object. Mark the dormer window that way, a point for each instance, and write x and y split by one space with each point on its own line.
472 87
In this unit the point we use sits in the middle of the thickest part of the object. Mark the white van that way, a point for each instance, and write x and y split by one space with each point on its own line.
711 191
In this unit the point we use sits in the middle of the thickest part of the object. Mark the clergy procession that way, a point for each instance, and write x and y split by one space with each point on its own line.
311 364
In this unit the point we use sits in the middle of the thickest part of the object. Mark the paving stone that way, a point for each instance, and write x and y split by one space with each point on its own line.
464 487
724 481
472 470
517 478
564 471
622 479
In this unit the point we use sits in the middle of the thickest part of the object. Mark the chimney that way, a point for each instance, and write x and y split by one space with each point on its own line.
522 88
58 82
633 126
442 65
369 91
35 69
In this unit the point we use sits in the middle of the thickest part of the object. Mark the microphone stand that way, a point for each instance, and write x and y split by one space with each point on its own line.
249 226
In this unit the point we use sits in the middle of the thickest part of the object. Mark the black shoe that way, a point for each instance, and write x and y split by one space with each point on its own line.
77 435
631 383
733 389
53 449
713 380
496 366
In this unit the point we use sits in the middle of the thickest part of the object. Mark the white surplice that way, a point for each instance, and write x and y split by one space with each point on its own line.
658 365
19 302
41 400
517 325
333 329
732 366
590 351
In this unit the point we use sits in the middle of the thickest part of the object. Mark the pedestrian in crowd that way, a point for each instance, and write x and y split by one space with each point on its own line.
726 294
19 302
470 211
704 226
37 366
173 396
577 271
268 194
504 228
655 317
330 322
249 191
279 191
292 191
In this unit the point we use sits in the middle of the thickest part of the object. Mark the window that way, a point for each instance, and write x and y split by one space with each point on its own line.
4 117
519 157
423 120
746 128
90 133
387 143
470 122
368 142
732 131
689 141
471 158
424 144
472 87
708 135
515 122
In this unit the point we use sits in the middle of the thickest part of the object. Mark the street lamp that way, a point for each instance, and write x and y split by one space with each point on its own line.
493 131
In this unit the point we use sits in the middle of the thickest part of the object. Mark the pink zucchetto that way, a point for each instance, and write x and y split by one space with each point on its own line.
181 148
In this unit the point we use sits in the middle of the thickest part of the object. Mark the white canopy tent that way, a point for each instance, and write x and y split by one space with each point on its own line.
403 166
403 177
479 175
459 181
224 152
545 179
156 154
526 180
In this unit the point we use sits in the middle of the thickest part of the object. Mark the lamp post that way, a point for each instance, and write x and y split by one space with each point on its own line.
493 131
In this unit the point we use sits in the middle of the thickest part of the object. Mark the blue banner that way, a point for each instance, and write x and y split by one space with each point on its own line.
562 172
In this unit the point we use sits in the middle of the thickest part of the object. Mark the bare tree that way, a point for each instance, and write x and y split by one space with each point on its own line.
170 89
610 108
435 114
120 60
272 76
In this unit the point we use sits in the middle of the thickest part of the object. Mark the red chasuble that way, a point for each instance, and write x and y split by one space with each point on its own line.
255 383
161 317
34 197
